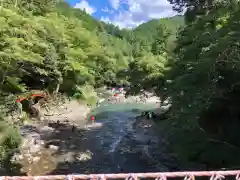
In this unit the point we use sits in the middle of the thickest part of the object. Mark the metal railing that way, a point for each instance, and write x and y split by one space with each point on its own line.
214 175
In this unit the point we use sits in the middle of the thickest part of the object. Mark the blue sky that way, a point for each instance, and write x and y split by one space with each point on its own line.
125 13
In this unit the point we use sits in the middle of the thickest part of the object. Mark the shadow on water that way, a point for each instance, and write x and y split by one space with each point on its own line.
71 142
72 145
109 148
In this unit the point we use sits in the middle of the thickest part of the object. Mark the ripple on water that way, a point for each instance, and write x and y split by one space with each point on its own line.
114 131
114 145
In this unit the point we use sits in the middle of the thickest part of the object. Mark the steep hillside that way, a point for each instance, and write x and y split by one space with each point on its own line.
148 31
172 23
87 20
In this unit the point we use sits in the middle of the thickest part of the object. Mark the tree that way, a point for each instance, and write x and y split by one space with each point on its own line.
204 83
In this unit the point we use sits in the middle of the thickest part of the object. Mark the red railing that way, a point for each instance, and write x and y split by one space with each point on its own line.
214 175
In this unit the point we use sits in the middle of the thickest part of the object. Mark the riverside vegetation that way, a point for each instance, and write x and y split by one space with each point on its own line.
46 44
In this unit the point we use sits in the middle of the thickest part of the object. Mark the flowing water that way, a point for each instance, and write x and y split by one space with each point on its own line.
114 145
117 142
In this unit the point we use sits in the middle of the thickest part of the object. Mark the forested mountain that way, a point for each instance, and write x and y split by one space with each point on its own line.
49 45
153 45
87 21
148 31
202 80
191 58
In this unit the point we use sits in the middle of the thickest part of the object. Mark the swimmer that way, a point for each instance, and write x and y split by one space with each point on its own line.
73 128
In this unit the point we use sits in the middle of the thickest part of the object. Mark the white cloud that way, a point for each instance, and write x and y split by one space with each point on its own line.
123 20
106 10
105 19
140 11
115 3
84 5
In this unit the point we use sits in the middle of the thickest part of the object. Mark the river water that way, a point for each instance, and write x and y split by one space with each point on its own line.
117 146
121 144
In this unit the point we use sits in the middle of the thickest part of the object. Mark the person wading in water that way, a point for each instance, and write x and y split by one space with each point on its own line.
117 98
93 119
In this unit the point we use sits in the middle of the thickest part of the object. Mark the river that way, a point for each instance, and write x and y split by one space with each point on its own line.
118 140
121 144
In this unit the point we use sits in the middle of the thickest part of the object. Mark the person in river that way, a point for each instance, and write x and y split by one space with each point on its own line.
98 104
58 124
73 128
149 115
117 99
113 89
149 142
93 119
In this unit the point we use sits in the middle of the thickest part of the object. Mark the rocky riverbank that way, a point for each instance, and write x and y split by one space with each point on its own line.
37 148
143 97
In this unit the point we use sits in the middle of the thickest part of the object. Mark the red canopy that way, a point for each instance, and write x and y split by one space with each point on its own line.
19 100
33 95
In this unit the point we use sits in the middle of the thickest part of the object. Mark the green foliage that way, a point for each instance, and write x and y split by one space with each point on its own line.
46 44
87 94
204 85
49 45
147 32
10 138
147 70
87 21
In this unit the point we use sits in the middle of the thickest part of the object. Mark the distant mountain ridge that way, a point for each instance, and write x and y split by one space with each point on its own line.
144 33
92 23
171 22
148 30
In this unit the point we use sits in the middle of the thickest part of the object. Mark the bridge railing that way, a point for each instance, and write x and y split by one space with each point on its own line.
213 175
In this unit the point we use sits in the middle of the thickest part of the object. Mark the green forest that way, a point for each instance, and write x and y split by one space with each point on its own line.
46 44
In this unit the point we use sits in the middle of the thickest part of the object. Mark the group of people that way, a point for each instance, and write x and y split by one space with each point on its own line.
117 90
149 114
116 96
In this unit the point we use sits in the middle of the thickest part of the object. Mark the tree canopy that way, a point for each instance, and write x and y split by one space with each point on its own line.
46 44
202 80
